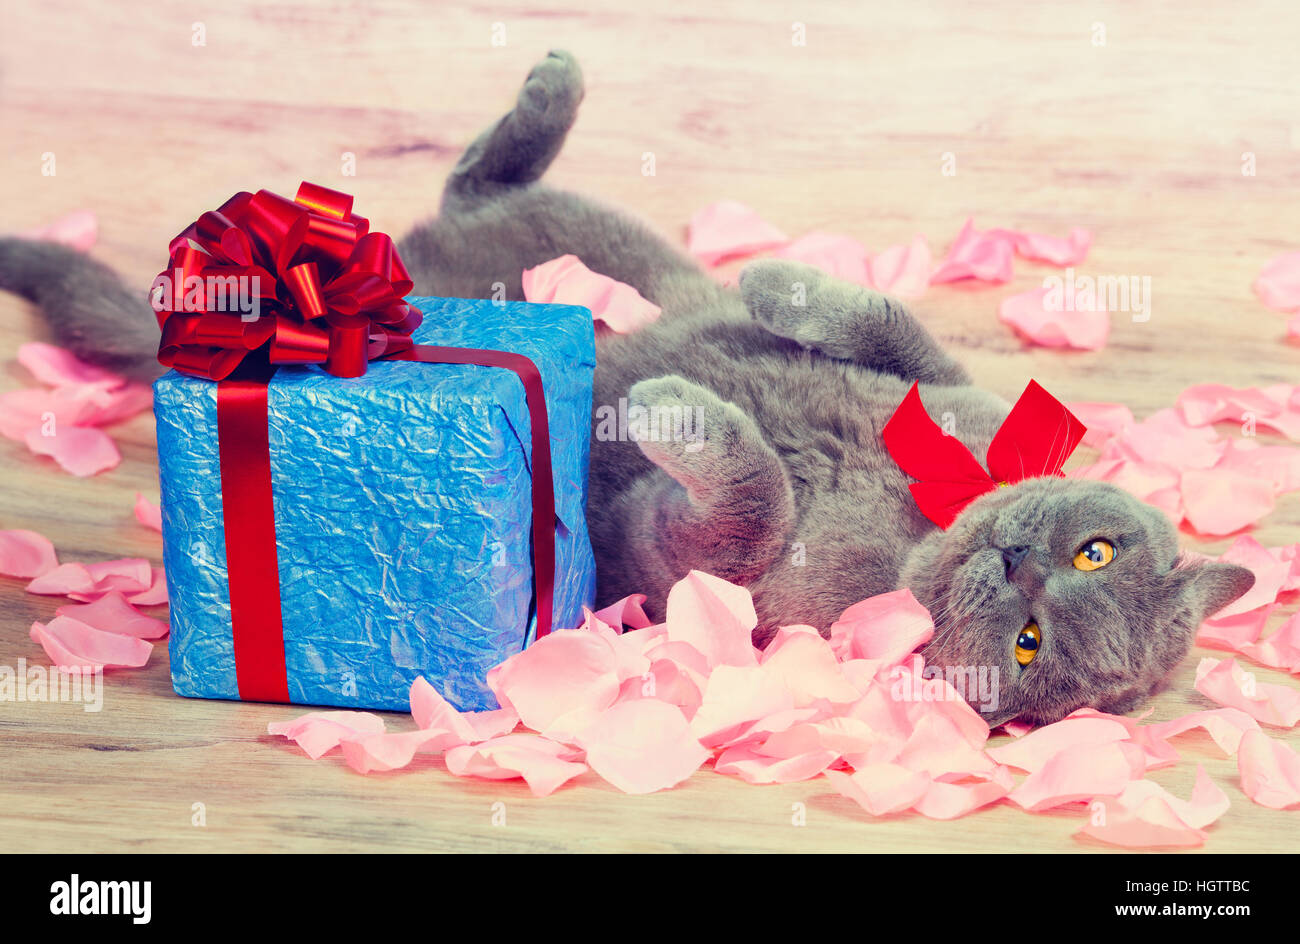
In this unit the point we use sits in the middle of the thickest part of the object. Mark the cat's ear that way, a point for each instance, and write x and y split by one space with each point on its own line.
1202 588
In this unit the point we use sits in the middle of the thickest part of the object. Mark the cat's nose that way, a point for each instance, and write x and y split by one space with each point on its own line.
1012 556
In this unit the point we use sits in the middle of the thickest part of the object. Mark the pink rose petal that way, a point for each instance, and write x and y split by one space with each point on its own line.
155 595
1224 725
885 628
78 229
58 367
566 281
63 580
1221 502
147 513
626 612
113 614
1081 773
26 554
80 450
1280 650
1270 771
727 228
807 667
976 254
1225 682
946 801
881 789
753 767
714 616
320 732
544 765
432 711
559 681
903 270
1103 420
643 746
72 644
1278 283
1061 251
840 256
1035 318
1032 751
1145 815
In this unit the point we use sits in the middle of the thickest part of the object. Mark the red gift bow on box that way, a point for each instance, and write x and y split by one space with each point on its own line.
336 290
337 297
1035 439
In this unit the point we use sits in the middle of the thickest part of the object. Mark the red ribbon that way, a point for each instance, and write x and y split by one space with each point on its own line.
333 290
336 299
1035 439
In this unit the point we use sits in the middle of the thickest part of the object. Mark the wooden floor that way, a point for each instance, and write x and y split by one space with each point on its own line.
1140 139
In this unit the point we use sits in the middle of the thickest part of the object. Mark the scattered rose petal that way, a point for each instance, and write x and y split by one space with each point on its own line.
566 281
558 681
1278 283
147 513
1280 650
1221 502
113 614
1225 682
1224 725
71 645
544 765
1081 772
63 580
1103 421
840 256
1145 815
976 254
26 554
728 228
642 746
78 229
1270 771
81 450
1038 319
319 732
58 367
714 616
903 270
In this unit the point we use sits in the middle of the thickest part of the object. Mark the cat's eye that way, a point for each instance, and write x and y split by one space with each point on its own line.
1027 643
1094 555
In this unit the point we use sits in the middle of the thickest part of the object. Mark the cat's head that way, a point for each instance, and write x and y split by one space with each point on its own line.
1072 589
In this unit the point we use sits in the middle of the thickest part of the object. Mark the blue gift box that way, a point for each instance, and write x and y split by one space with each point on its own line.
403 512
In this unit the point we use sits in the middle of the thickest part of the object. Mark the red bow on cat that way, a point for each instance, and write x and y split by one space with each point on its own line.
1034 440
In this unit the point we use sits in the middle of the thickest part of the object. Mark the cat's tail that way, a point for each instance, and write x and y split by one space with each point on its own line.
88 306
520 146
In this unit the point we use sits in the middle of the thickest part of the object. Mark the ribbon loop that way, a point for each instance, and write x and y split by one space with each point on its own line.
1035 439
325 286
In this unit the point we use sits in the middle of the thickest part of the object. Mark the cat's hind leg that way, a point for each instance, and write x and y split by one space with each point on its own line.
722 504
519 147
845 321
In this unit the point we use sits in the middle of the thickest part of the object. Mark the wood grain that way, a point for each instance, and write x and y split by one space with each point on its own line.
1141 140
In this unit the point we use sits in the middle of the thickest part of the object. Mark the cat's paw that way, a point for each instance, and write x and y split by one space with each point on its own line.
551 94
688 430
777 293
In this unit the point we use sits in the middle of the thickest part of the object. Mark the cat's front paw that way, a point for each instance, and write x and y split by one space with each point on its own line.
776 292
687 430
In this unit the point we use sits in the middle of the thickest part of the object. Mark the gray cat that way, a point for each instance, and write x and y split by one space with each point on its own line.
1071 592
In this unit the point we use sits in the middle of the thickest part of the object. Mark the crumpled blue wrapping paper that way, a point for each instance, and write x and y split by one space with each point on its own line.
403 510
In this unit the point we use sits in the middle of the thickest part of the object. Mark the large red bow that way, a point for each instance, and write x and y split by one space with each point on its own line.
1034 440
333 291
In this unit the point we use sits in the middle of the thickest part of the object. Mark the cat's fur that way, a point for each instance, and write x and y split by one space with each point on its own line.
789 490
